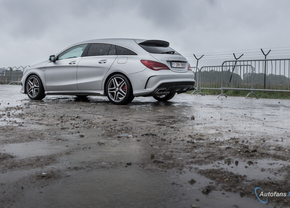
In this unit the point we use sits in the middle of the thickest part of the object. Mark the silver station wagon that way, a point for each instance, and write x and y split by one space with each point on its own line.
120 69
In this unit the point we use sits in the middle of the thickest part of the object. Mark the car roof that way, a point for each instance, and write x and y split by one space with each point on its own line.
129 43
114 40
125 40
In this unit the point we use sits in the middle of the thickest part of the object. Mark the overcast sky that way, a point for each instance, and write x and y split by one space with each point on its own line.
31 30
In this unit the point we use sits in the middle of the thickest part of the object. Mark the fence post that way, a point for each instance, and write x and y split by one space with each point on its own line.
234 67
222 88
265 72
197 89
2 74
252 83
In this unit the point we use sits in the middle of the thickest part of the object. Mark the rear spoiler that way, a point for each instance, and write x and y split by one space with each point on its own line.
158 43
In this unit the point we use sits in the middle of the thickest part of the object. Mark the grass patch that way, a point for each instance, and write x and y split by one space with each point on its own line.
243 93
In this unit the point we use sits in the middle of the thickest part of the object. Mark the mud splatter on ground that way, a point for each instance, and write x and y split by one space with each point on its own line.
192 147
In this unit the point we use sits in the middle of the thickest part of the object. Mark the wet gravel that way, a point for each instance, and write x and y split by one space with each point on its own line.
212 152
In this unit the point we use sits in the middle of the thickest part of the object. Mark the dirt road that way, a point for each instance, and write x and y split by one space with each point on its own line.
191 152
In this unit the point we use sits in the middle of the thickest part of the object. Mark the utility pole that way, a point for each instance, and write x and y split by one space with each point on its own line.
265 70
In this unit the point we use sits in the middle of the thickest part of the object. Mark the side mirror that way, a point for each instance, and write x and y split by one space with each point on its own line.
52 58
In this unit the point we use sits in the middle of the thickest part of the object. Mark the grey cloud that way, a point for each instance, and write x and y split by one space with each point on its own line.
161 13
175 15
190 25
26 18
32 19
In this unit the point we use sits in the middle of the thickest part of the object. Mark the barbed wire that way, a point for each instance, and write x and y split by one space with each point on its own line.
15 67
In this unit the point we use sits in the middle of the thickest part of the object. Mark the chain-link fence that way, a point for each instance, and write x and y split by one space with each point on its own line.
11 75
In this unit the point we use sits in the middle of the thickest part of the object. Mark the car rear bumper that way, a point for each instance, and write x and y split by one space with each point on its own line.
177 87
161 82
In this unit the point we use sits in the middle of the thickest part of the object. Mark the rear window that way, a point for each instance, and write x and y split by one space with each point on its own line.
159 49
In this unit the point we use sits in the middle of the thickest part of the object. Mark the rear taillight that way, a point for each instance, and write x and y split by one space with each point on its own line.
189 67
156 66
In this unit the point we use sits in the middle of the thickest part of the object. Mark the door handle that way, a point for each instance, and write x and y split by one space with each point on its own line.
103 61
73 62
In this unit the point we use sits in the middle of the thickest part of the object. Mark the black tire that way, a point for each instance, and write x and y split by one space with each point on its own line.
164 97
82 97
34 88
119 90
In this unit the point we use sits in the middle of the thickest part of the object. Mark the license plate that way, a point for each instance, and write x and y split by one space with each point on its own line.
177 64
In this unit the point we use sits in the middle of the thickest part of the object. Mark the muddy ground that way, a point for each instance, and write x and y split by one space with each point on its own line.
195 151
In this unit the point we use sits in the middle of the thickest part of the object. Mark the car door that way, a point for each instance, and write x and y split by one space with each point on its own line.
93 67
61 75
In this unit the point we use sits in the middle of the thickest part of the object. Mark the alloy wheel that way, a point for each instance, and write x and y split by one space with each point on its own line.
33 87
117 89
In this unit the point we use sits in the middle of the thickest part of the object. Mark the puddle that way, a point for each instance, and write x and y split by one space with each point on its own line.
12 176
32 149
106 150
216 198
133 187
115 188
253 169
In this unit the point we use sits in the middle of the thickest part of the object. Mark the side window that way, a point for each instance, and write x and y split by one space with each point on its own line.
112 50
98 49
73 52
124 51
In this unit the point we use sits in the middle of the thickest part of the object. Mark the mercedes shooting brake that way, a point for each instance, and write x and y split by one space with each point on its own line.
120 69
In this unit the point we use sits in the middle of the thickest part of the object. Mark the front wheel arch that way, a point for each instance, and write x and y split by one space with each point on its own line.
40 92
27 79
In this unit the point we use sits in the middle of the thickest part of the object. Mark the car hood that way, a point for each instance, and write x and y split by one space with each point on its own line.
38 66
